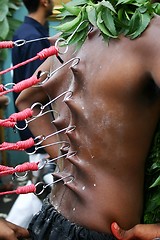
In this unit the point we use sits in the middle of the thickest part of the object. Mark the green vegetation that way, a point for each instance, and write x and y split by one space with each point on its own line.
113 18
7 23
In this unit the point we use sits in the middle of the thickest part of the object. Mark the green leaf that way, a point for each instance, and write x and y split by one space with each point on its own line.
72 9
108 5
109 21
156 183
69 26
77 2
3 11
120 14
124 2
134 22
102 26
5 26
14 7
92 16
145 20
13 24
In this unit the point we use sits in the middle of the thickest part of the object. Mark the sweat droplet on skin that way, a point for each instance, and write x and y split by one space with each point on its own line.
83 188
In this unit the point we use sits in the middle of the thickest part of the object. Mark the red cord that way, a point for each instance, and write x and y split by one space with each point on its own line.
20 145
20 116
21 190
1 87
47 52
24 84
27 166
6 44
5 168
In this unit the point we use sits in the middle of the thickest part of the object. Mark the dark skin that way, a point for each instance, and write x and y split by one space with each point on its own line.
138 232
10 231
4 100
115 108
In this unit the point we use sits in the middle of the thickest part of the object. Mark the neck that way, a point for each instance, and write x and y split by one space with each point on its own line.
39 16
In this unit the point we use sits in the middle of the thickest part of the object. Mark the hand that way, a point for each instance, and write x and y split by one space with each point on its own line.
138 232
4 101
10 231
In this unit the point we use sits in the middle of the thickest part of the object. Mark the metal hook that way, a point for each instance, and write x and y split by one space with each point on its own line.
56 158
57 45
45 186
22 175
47 145
45 161
75 31
22 42
26 122
42 107
8 84
59 68
40 139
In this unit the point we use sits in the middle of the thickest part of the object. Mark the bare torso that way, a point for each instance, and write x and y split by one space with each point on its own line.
115 109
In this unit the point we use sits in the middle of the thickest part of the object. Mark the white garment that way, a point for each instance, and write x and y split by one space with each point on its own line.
26 206
24 209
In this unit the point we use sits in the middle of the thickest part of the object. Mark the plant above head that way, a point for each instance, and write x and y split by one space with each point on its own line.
112 18
7 23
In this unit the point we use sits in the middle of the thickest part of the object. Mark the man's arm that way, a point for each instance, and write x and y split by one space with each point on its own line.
10 231
42 125
138 232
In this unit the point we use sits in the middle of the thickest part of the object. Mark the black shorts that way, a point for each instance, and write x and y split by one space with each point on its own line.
49 224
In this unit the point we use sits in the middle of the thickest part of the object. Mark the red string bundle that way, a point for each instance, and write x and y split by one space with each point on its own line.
20 86
6 44
27 166
47 52
20 145
21 190
15 117
5 168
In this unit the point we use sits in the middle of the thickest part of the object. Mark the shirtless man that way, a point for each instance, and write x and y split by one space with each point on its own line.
113 114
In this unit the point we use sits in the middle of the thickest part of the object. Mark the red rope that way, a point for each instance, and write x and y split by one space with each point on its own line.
1 87
20 116
5 168
20 168
20 145
47 52
21 190
20 86
6 44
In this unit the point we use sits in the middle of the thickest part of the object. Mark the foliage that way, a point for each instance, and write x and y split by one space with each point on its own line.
7 23
128 17
152 188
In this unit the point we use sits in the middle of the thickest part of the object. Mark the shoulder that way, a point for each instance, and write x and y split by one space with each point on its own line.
152 35
25 31
149 41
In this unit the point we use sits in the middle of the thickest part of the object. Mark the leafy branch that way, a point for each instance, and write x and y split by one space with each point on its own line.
113 18
7 23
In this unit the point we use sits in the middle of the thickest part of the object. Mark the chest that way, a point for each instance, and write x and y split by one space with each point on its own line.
114 70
